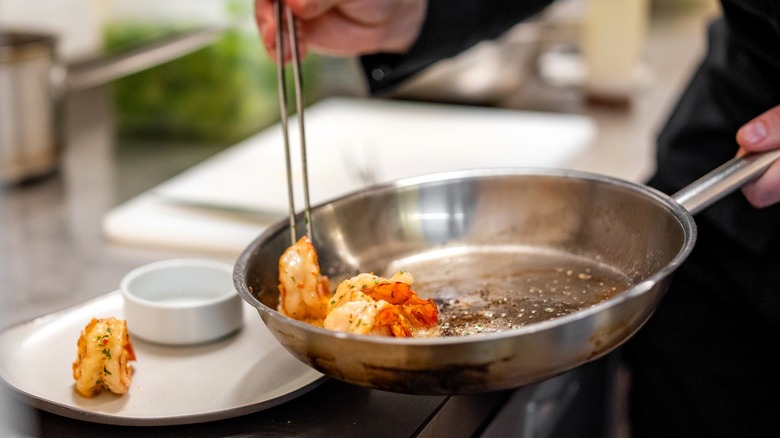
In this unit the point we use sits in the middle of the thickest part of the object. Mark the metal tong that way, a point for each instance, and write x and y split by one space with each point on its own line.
288 23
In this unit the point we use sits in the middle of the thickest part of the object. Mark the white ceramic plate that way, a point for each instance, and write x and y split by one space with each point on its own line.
353 142
246 372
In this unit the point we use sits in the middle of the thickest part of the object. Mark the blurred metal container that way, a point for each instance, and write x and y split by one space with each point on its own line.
33 81
485 74
28 142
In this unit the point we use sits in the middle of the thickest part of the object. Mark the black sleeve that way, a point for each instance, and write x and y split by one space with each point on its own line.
738 79
450 27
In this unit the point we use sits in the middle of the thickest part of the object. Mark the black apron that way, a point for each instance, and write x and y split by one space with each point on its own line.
701 366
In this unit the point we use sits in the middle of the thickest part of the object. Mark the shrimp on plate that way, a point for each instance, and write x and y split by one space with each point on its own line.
363 304
104 350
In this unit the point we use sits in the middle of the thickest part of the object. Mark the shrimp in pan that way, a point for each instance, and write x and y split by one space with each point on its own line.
104 350
363 304
362 314
370 304
303 291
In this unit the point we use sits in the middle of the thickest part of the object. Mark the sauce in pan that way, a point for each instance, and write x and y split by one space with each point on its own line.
491 291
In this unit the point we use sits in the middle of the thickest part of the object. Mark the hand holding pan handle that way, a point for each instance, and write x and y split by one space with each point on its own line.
730 176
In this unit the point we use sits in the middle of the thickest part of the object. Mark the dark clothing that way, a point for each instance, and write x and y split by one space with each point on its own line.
450 27
702 365
738 80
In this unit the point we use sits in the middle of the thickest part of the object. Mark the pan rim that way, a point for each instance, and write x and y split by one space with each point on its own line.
683 216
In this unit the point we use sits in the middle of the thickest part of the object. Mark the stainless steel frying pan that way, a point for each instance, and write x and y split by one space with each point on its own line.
535 271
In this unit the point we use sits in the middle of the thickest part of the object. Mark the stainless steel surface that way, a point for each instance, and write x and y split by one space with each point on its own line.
34 82
54 256
485 74
475 220
287 21
483 232
299 105
103 70
28 145
733 174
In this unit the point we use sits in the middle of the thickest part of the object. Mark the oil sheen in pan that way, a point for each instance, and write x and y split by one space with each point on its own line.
491 289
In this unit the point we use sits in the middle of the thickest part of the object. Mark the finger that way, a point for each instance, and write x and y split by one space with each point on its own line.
338 35
300 34
764 191
761 133
265 16
308 9
266 23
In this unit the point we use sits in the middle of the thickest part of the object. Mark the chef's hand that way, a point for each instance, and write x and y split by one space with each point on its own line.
346 27
761 134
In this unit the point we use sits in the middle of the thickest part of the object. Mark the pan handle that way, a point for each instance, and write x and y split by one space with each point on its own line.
99 71
730 176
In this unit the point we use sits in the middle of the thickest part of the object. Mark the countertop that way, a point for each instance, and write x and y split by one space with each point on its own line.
54 255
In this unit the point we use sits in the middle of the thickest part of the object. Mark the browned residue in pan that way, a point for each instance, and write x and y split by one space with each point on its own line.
513 290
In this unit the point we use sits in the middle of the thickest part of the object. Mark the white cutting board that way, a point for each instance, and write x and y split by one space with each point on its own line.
223 203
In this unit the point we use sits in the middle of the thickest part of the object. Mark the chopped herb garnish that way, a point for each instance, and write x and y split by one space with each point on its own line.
102 340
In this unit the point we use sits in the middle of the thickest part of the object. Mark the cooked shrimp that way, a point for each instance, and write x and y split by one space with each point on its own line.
364 304
104 350
362 315
370 304
303 291
353 289
421 313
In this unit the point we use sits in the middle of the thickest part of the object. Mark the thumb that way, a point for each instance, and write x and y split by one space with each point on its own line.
761 133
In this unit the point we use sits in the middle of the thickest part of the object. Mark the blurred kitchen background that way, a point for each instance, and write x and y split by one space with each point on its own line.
115 139
608 70
568 59
198 103
89 193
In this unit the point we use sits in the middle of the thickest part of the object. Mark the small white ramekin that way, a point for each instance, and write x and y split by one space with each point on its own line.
181 301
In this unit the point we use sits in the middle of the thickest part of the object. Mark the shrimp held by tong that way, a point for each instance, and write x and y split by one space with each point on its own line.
104 350
363 304
303 291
